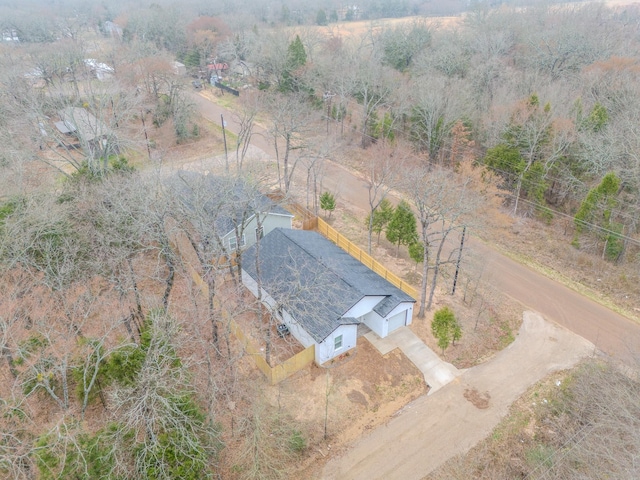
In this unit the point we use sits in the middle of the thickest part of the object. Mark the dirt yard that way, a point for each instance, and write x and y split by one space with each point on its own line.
362 391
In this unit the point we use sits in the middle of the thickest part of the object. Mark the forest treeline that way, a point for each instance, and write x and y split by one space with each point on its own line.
546 93
114 366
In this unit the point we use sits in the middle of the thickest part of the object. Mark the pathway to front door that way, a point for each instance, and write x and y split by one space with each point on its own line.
437 373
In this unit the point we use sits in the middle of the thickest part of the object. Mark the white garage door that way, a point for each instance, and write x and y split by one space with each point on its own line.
397 321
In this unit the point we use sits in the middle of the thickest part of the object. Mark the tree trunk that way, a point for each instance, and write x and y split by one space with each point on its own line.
136 292
455 277
211 287
267 339
287 180
517 195
6 352
425 271
436 270
169 282
371 230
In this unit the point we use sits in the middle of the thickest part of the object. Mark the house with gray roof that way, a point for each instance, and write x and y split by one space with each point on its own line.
238 213
95 137
321 292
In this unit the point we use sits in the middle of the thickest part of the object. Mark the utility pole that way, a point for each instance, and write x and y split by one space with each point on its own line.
327 96
224 137
455 277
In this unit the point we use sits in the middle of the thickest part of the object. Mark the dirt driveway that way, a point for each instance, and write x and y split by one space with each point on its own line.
430 430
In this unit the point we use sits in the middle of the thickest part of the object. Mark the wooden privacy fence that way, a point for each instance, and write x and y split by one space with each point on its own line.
273 374
359 254
309 220
281 371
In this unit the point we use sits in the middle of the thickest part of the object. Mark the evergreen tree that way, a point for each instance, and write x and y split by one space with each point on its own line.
445 328
416 252
328 202
296 55
321 18
597 209
402 229
381 217
296 58
350 15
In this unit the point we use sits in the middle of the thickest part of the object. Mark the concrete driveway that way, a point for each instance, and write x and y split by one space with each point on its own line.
437 373
434 428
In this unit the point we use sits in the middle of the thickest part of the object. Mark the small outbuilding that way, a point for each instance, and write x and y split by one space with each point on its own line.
320 292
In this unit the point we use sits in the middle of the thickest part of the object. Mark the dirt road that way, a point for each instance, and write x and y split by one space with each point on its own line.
609 331
432 429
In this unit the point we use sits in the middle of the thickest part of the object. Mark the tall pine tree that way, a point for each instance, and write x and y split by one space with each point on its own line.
296 58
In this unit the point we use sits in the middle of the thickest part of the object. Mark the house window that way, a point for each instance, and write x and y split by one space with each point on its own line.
259 233
337 342
233 243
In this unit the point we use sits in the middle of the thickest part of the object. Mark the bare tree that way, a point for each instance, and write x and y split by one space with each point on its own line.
292 121
246 117
385 163
445 203
170 435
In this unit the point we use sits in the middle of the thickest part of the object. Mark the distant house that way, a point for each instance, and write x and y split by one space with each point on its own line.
101 71
113 29
10 36
234 208
217 67
179 68
95 137
321 292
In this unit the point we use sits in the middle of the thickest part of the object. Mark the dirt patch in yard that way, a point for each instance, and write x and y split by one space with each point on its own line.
479 400
358 394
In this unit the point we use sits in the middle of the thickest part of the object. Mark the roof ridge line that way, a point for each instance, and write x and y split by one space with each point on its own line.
320 260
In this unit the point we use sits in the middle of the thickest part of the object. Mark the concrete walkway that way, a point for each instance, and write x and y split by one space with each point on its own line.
437 373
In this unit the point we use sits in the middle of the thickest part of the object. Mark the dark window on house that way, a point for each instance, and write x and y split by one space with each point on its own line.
337 342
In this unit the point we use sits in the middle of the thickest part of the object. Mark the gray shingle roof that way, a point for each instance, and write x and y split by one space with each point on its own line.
225 200
317 281
83 123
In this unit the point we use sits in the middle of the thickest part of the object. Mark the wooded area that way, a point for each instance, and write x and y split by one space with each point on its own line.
113 364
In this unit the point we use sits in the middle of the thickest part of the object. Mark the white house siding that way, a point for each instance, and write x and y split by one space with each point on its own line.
364 306
271 222
294 327
380 325
376 323
325 350
297 331
252 285
401 308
